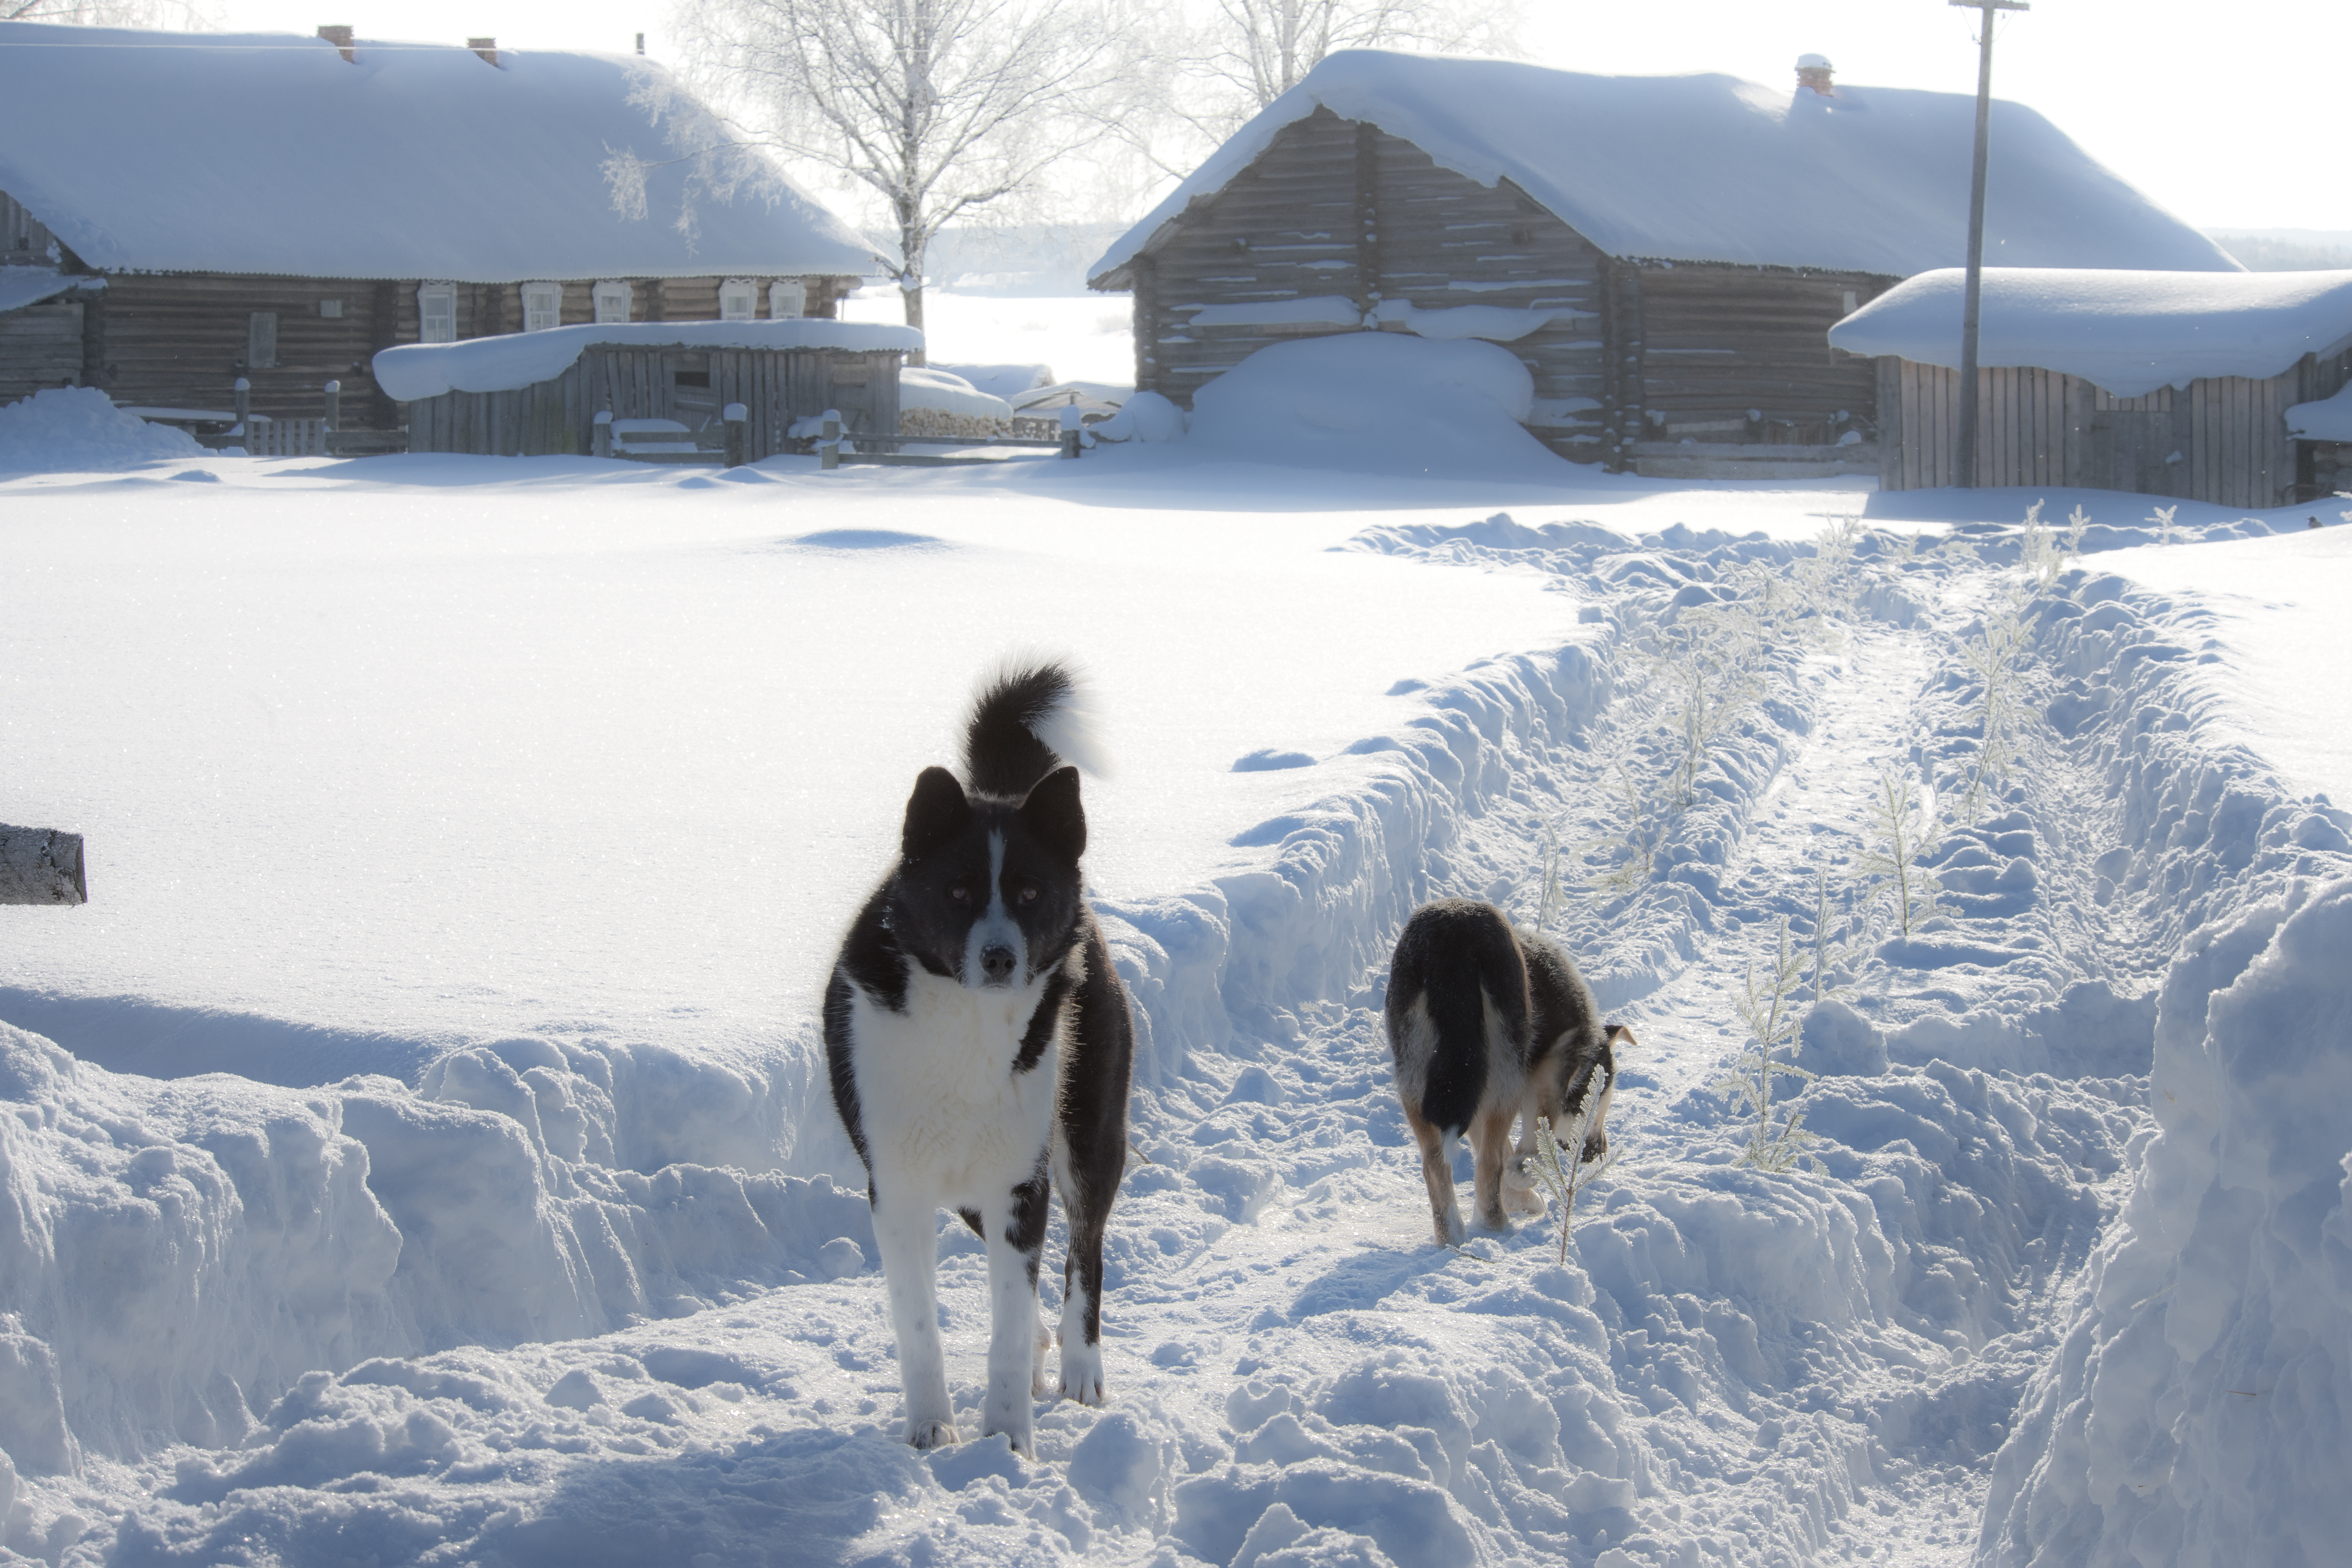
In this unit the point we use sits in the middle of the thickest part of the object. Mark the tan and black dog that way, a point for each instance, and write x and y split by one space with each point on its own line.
1487 1026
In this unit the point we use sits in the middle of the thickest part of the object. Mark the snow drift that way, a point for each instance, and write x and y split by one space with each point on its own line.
76 429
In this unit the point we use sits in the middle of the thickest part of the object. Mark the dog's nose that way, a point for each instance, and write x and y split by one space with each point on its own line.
996 963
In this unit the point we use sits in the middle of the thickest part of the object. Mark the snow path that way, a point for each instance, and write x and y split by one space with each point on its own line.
650 1359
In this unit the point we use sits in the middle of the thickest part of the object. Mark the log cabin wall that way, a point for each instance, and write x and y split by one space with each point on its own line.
1445 240
25 240
2222 439
181 339
41 346
1338 209
1720 342
691 385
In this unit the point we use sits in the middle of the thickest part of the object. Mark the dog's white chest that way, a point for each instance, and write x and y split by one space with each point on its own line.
940 1100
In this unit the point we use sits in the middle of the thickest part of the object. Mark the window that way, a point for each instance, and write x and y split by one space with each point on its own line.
261 339
611 301
738 300
787 297
332 310
436 313
542 306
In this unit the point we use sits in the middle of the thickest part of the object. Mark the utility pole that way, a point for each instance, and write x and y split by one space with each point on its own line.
1965 467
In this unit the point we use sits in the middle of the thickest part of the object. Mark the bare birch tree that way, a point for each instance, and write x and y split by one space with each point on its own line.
939 108
183 16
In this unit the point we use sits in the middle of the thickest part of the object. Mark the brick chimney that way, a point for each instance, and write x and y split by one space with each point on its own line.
1813 71
486 47
340 34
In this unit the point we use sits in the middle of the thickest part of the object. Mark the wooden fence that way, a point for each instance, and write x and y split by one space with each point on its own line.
776 387
2222 439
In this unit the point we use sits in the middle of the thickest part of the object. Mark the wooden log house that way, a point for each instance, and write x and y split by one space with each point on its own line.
1667 253
180 210
2178 385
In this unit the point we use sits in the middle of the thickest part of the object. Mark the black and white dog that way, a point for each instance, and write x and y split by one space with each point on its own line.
1486 1025
978 1041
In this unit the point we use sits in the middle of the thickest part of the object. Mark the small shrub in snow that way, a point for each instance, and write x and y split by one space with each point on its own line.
1828 956
2039 552
1906 836
1556 1170
1765 1007
2077 521
1629 852
2162 516
1993 653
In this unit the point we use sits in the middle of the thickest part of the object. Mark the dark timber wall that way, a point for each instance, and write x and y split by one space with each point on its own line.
1335 207
1659 352
776 386
2224 439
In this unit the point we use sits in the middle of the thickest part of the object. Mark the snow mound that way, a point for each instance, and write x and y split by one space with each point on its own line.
947 393
2196 1410
78 429
1379 403
1006 380
1146 416
410 370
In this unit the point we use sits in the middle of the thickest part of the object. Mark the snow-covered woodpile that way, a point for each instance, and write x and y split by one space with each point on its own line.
2189 384
1664 254
343 197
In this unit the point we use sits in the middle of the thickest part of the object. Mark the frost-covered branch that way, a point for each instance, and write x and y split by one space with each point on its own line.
1771 1021
1906 836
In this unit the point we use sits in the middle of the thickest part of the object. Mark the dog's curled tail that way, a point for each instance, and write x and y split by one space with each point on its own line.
1029 716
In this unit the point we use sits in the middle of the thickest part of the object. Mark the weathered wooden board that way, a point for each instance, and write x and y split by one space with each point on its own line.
2224 439
41 865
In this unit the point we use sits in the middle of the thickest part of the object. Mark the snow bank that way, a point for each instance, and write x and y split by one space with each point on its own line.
2196 1410
67 430
2329 420
1711 168
1375 403
2127 332
410 161
1145 417
411 370
947 394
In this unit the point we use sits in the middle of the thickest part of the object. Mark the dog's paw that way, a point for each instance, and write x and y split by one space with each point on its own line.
1082 1373
1526 1201
1497 1221
1450 1231
931 1434
1015 1425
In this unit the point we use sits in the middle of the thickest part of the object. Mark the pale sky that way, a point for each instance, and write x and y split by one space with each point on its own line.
2222 113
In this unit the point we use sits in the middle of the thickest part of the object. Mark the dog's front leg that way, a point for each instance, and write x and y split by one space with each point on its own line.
905 1231
1015 1238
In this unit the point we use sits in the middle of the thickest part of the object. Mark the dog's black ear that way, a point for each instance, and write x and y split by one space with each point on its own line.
936 813
1053 813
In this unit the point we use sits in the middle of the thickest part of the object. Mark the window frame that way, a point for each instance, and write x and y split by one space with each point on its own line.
429 295
553 317
612 290
779 286
261 339
744 290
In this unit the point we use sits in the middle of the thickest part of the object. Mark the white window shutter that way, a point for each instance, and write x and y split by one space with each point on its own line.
738 300
787 297
613 299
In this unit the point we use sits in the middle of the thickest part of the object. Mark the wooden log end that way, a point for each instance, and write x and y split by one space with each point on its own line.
41 865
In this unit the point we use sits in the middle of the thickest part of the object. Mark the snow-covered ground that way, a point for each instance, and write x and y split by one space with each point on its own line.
414 1154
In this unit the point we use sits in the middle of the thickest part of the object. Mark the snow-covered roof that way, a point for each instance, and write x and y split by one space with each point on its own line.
411 370
2127 332
22 285
1712 168
268 152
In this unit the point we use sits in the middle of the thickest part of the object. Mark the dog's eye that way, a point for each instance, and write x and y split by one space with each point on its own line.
958 892
1028 893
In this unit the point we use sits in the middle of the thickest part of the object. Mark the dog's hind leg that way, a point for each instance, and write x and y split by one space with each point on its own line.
1015 1237
1437 1174
906 1234
1082 1362
1490 1144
